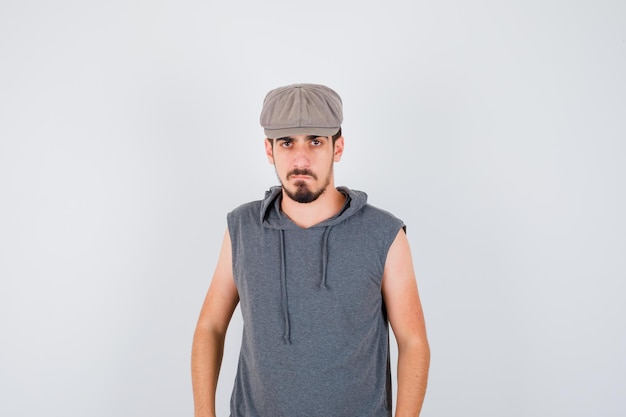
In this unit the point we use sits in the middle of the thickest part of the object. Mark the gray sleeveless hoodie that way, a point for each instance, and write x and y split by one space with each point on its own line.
316 337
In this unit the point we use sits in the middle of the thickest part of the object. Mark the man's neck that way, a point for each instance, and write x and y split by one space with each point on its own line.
309 214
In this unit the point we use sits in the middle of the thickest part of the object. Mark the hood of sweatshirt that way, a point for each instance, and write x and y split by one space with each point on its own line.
273 218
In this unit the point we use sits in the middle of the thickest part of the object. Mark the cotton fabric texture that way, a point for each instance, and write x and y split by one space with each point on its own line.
316 336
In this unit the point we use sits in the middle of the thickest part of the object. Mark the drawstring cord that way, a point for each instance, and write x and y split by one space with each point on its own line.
283 287
283 278
324 256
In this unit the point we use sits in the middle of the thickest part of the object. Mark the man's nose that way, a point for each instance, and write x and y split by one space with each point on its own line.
301 155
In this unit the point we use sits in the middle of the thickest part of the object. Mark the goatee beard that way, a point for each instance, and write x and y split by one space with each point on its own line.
303 194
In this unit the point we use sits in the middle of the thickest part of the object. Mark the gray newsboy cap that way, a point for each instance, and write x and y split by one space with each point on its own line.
301 109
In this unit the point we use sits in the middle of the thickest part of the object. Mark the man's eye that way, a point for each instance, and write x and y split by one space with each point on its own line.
286 144
316 142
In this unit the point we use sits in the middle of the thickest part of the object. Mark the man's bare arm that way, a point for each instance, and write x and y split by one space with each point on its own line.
407 321
208 341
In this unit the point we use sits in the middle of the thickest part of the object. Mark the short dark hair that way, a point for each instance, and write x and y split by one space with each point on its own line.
336 136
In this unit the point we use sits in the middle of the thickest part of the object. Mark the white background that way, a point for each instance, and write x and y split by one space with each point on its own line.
495 129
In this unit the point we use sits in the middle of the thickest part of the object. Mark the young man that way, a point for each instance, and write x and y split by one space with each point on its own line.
319 274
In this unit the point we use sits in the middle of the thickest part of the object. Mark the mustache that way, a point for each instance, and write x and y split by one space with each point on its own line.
301 171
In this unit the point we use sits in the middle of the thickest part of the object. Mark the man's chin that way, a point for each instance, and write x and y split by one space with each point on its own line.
303 194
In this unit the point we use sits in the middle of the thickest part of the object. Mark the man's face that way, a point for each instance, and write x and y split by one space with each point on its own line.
304 164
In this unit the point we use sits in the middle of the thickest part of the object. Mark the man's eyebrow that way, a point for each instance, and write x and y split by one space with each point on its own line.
309 137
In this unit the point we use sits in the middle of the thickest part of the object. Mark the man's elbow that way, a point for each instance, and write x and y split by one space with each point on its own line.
415 344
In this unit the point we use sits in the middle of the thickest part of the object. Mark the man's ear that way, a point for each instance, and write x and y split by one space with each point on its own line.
338 151
269 150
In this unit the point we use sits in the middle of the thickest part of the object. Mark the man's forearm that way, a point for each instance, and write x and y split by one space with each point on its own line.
206 358
413 364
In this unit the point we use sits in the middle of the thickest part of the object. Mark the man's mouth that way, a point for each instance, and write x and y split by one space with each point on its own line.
302 174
